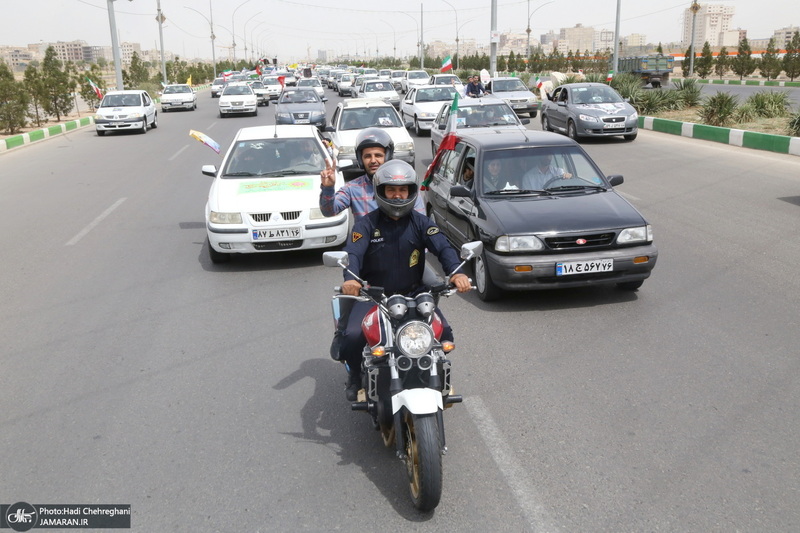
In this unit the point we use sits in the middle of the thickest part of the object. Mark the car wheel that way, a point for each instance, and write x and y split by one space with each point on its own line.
487 290
533 114
144 125
546 123
154 125
630 137
163 110
221 114
194 107
215 256
255 113
100 133
417 129
630 285
572 131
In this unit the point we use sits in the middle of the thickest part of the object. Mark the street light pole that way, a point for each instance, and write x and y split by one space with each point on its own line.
528 30
615 64
161 18
253 41
211 25
245 33
115 45
458 56
695 7
233 31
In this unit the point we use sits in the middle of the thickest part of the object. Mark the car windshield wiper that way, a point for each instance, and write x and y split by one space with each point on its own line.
576 187
241 173
519 191
286 172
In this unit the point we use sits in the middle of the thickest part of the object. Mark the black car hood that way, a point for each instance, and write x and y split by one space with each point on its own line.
559 213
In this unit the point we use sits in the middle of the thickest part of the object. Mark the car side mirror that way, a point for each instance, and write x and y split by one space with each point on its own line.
324 98
459 191
442 126
525 120
615 179
344 163
408 125
330 128
209 170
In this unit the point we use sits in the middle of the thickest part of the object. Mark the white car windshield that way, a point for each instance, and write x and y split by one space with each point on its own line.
443 94
170 89
237 90
121 100
275 158
379 117
508 85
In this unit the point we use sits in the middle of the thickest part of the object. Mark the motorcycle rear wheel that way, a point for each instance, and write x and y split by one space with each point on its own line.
423 460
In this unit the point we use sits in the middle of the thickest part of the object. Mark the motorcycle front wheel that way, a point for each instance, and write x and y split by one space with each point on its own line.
423 460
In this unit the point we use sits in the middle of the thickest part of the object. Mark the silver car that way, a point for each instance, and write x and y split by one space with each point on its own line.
516 94
477 115
589 110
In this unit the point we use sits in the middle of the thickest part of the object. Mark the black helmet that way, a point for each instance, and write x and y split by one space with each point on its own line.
395 172
374 138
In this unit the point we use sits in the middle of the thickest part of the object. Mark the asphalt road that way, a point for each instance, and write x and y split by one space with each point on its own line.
135 371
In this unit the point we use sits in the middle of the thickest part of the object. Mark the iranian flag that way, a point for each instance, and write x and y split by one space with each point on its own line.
539 82
610 76
96 89
447 64
448 142
227 74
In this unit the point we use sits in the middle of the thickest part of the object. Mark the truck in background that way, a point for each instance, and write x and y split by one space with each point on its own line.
652 69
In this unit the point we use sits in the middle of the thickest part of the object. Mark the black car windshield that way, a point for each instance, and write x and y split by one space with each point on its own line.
275 158
540 170
508 85
299 97
597 94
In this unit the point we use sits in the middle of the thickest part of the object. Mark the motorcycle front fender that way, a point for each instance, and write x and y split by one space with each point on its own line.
418 401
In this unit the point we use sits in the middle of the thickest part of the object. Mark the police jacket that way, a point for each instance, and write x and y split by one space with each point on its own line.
390 253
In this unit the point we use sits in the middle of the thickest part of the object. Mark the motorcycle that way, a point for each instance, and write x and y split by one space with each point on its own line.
406 375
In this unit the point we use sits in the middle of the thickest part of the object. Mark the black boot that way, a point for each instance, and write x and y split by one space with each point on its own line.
353 386
335 344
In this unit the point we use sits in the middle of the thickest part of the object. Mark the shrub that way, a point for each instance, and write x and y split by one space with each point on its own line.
627 85
718 109
745 113
689 91
769 104
794 124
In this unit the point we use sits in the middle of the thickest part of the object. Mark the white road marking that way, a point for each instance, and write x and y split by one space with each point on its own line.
94 222
515 475
176 154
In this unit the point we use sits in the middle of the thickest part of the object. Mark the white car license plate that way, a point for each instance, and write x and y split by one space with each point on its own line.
584 267
302 121
518 106
612 125
276 234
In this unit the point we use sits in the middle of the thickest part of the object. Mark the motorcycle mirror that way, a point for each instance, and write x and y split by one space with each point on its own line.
336 259
471 249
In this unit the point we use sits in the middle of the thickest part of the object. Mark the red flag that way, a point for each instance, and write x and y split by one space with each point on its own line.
97 90
281 80
258 70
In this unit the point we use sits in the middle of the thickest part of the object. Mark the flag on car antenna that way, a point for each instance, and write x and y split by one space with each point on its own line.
96 89
448 142
447 64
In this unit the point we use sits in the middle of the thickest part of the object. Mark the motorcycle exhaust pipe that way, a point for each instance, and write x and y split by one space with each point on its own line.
359 406
454 398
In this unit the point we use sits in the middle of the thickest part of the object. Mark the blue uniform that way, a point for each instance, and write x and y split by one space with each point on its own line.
390 253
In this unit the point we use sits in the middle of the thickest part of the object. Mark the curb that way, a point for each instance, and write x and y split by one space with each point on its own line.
782 144
39 135
52 131
759 83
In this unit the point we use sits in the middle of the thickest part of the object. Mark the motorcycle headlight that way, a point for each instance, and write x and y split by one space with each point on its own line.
425 304
397 306
225 218
518 243
414 339
634 235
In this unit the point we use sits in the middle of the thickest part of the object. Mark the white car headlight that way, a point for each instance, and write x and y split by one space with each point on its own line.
315 214
224 104
587 118
346 150
404 147
518 243
283 115
633 235
427 115
635 116
414 339
225 218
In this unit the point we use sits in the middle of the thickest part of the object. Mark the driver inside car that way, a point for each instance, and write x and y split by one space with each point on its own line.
543 171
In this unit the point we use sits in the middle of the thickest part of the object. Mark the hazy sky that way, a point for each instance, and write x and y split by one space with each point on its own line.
295 29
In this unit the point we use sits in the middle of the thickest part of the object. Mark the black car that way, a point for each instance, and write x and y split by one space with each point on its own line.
301 106
548 217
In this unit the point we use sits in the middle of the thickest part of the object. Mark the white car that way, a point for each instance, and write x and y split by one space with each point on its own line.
354 115
345 83
265 194
237 98
273 87
382 89
131 110
314 83
178 96
422 103
412 79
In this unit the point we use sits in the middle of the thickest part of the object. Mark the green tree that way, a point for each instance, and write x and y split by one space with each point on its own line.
34 86
511 65
13 102
770 64
659 49
743 64
137 71
723 62
58 84
791 60
687 62
501 64
85 89
705 63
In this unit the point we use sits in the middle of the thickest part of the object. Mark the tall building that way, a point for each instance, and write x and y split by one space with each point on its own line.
69 51
711 21
578 39
783 36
